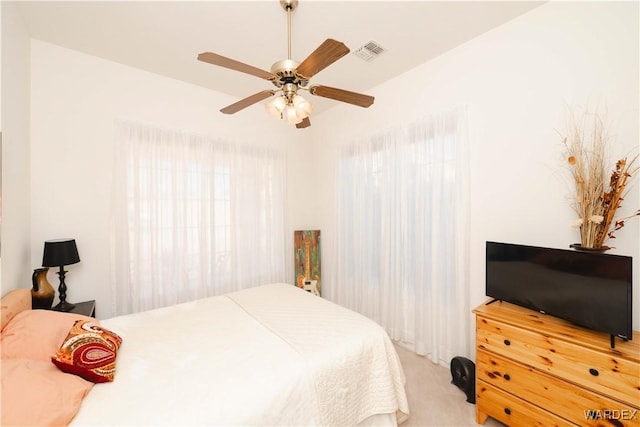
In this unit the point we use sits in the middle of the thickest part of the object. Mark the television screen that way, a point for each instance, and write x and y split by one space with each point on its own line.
592 290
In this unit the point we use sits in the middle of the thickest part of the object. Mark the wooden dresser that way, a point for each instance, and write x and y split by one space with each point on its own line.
535 369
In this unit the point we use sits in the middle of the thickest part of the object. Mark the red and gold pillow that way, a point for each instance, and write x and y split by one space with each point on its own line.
89 351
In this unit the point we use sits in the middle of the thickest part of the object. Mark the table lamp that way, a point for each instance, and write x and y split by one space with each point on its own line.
58 253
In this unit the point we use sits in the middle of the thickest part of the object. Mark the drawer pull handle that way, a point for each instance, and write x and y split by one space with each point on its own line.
594 372
507 342
507 411
507 377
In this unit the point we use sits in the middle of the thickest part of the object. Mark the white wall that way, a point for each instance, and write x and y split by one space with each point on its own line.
75 100
517 81
16 256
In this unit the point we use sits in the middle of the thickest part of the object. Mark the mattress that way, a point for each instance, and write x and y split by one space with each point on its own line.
269 355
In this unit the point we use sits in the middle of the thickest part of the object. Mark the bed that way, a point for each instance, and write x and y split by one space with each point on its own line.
269 355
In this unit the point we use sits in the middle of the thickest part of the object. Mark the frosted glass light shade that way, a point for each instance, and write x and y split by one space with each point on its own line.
276 107
303 107
291 115
293 111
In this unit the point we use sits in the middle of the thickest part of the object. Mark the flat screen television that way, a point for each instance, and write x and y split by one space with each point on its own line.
592 290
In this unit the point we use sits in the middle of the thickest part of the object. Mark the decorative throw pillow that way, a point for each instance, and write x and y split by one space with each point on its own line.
89 351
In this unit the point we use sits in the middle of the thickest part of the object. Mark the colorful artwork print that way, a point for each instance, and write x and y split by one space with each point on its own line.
307 260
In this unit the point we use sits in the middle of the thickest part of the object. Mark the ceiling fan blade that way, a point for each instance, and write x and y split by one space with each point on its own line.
326 54
232 64
342 95
305 123
244 103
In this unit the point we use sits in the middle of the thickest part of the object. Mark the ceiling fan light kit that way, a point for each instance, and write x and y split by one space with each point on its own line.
289 77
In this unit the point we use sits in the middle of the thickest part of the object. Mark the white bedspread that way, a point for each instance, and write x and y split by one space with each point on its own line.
270 355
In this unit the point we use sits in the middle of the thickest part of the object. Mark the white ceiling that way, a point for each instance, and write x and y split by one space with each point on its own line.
165 37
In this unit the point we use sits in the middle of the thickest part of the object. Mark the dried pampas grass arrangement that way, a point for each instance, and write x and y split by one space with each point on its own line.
597 198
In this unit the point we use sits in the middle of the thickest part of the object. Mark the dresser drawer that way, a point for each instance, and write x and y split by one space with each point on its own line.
564 399
602 372
510 410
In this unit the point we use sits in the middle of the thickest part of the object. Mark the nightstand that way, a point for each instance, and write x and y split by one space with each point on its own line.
87 308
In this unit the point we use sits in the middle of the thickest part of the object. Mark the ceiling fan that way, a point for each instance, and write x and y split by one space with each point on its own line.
289 77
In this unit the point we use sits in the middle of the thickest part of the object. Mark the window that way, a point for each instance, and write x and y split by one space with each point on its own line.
401 238
195 217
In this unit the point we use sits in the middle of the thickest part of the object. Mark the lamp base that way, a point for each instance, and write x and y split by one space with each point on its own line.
64 306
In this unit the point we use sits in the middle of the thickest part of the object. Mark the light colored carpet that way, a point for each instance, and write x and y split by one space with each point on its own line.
433 400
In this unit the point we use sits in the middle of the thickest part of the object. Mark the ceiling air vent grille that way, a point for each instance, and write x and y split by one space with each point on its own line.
369 51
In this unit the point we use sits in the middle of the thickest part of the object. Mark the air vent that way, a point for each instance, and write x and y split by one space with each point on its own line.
369 51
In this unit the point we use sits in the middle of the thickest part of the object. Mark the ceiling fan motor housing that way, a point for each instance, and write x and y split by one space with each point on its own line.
286 71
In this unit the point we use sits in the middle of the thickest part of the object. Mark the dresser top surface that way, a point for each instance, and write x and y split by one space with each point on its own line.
559 328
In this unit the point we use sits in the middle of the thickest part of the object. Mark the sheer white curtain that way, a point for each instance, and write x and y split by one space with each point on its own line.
193 217
402 233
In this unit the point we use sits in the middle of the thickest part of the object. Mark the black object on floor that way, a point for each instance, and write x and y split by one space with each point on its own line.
463 375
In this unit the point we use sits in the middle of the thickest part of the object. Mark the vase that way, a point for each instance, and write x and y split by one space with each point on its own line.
579 247
42 292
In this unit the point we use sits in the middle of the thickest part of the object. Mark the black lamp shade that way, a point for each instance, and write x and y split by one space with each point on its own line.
60 252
